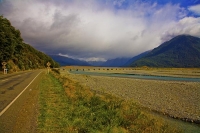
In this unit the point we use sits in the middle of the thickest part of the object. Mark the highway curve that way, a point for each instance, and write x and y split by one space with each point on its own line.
21 115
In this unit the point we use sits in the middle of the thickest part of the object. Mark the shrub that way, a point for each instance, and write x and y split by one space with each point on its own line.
56 70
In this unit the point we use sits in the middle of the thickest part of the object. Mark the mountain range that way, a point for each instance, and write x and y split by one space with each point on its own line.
66 61
180 51
117 62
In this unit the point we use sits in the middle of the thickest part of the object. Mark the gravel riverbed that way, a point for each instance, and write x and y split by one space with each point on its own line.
175 98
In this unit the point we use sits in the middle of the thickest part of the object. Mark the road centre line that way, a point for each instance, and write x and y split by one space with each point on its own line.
13 76
7 107
4 80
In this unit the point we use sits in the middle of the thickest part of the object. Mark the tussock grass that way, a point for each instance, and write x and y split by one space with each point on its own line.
56 70
66 106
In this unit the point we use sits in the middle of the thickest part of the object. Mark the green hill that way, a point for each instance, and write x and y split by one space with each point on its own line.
17 54
181 51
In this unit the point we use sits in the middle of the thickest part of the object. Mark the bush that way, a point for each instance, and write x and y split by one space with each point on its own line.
56 70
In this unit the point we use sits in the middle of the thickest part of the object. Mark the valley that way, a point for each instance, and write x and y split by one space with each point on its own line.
108 82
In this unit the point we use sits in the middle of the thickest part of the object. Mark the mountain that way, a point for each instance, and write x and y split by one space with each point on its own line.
65 61
17 54
128 63
96 63
117 62
181 51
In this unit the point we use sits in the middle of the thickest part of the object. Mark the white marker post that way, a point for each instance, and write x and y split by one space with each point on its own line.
4 67
48 67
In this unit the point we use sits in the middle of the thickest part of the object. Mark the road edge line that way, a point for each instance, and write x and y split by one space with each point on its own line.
7 107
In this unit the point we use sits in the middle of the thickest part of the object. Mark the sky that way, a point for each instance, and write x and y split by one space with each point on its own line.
97 30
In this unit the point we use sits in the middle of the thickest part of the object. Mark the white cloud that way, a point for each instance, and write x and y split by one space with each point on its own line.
195 9
187 25
93 59
84 59
96 31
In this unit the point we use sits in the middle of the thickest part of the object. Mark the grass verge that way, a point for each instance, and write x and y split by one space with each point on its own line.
66 106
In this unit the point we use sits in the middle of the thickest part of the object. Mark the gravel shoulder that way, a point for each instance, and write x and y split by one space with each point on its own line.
174 98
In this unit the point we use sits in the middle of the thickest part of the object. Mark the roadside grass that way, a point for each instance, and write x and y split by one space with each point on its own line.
66 106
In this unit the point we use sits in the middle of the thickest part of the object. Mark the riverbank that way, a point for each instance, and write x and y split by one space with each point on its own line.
176 99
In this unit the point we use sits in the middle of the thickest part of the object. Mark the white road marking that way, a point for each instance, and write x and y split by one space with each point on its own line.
12 77
6 108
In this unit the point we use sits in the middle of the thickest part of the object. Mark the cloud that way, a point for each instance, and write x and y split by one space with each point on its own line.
84 59
195 9
187 25
97 30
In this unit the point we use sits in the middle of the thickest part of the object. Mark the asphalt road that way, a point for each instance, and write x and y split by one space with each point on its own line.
16 91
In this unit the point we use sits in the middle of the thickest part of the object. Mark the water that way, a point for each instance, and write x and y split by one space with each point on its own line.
186 127
138 76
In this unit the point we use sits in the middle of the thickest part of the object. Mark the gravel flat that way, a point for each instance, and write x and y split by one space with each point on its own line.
175 98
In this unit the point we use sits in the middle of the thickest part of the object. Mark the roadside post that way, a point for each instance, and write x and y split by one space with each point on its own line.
6 71
4 67
48 67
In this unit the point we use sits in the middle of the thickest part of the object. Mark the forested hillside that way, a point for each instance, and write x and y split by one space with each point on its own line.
17 54
180 51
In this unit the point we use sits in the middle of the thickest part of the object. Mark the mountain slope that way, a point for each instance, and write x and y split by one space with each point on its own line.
17 54
96 63
65 61
117 62
136 58
181 51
